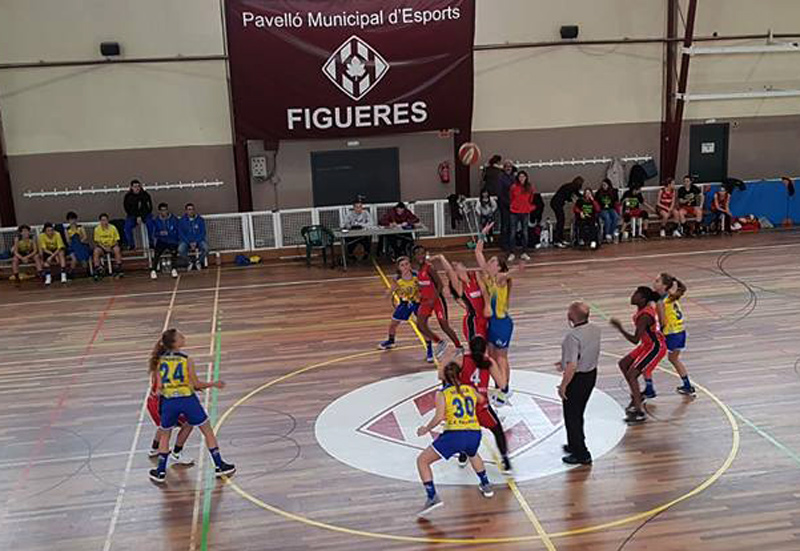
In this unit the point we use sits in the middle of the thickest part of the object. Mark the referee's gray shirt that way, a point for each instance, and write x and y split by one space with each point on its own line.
581 346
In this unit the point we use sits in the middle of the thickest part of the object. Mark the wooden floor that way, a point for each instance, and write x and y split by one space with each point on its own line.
721 472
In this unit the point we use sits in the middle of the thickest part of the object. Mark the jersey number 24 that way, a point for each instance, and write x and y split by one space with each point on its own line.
176 376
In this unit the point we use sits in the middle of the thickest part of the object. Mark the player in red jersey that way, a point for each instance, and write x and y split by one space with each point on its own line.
650 350
431 301
470 291
153 408
478 369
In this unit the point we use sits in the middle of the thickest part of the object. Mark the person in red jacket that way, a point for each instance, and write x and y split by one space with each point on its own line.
399 216
586 211
521 207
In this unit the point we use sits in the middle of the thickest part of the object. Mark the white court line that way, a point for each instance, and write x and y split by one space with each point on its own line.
200 455
121 493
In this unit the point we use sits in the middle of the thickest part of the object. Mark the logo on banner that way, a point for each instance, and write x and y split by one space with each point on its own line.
355 67
373 428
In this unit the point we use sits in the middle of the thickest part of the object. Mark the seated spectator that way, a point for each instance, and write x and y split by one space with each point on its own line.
164 238
690 206
487 212
721 211
634 213
520 207
358 218
51 246
608 199
399 217
106 242
192 235
587 212
77 242
666 207
25 250
138 210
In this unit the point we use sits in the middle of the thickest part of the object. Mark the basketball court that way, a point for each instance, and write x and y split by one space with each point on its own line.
320 423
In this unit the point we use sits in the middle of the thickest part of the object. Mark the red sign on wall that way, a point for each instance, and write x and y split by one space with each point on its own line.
310 69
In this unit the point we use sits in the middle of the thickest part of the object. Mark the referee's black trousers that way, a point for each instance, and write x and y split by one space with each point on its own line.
578 391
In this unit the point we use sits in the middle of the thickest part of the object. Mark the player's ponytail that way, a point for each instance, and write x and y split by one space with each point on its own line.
452 372
667 280
164 344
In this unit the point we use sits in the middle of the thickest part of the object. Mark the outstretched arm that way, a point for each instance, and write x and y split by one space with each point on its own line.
437 418
455 283
479 257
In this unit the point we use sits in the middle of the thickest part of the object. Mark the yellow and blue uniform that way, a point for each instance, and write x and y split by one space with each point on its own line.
177 393
501 326
76 238
462 430
674 330
24 246
106 237
408 293
50 245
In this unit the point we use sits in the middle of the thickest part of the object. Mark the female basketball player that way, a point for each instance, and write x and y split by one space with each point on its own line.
176 383
498 290
405 287
24 250
477 368
431 301
154 409
666 207
470 291
456 405
650 350
672 320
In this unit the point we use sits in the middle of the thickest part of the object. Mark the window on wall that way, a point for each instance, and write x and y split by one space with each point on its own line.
339 176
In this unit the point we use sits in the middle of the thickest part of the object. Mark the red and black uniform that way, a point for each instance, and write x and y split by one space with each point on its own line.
154 405
652 348
430 301
479 378
665 200
475 323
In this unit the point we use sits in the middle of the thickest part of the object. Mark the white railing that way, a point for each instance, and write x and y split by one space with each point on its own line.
254 231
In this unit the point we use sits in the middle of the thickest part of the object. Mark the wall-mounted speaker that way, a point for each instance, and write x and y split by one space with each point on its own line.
569 31
109 49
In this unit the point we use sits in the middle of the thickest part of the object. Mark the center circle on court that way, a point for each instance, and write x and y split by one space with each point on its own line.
373 428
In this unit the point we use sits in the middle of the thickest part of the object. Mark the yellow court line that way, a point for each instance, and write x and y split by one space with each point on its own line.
523 503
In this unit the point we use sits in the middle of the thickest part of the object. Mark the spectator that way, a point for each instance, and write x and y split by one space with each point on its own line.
586 212
358 218
138 210
106 242
608 199
567 193
163 231
721 210
690 205
192 235
77 242
521 206
487 211
25 250
491 175
399 217
666 207
504 182
51 246
634 213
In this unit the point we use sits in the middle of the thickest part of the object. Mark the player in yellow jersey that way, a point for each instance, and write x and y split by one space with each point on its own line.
405 289
673 320
24 251
456 405
176 382
106 241
52 249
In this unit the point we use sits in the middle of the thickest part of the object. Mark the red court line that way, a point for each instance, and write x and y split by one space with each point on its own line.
57 411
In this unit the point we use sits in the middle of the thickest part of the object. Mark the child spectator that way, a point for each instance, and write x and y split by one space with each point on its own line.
138 210
25 251
487 211
77 242
586 211
51 247
521 206
164 236
633 213
608 199
192 234
106 241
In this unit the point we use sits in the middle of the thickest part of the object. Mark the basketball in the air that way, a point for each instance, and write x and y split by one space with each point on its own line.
469 153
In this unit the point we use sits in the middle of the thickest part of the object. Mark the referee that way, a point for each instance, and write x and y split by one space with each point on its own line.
580 352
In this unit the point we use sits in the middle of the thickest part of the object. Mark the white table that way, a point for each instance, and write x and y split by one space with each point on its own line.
378 231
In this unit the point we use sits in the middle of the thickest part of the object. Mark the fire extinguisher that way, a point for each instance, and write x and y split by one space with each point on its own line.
444 172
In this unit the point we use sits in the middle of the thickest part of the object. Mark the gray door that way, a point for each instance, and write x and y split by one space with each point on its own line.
708 152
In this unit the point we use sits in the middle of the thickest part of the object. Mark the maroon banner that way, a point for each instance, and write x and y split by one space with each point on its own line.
312 69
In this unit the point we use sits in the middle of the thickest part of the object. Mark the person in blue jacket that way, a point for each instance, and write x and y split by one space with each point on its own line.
164 238
192 231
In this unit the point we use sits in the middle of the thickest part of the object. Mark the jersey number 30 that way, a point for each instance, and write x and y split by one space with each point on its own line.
468 404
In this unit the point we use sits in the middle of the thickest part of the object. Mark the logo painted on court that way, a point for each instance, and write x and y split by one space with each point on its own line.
355 67
373 428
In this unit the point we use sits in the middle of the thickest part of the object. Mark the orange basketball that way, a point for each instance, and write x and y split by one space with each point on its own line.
469 153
